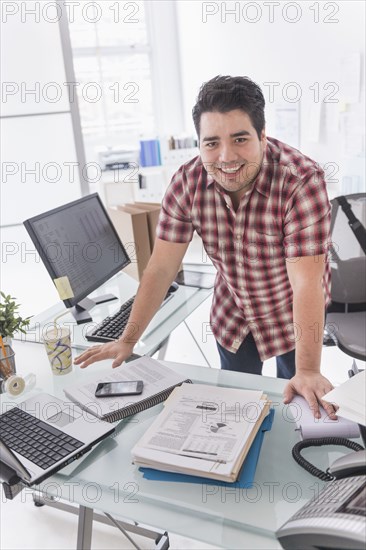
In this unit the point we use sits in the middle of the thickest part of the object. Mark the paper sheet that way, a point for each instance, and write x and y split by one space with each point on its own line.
351 398
64 288
310 427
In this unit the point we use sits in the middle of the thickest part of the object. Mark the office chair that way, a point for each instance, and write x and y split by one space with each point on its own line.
346 317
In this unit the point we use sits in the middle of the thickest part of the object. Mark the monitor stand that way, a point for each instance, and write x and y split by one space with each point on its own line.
81 310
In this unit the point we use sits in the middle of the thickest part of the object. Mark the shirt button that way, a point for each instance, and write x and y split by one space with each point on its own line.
238 236
240 264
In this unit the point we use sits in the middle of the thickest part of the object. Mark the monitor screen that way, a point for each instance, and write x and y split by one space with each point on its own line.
78 241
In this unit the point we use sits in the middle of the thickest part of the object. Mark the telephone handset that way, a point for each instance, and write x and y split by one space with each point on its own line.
352 464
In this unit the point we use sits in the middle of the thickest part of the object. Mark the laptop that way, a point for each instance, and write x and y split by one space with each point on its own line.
43 434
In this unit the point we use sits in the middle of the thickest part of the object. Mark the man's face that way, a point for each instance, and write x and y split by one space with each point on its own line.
230 149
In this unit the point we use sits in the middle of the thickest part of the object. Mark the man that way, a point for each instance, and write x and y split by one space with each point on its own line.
262 211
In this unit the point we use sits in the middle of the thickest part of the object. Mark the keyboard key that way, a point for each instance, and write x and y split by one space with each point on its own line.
63 452
69 447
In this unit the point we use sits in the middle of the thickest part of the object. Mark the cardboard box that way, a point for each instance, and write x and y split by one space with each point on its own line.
132 227
136 226
152 210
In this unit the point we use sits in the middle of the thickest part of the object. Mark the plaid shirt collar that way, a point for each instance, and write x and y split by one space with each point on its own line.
263 180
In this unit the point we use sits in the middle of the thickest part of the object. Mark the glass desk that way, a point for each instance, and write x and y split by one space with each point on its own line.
107 481
174 311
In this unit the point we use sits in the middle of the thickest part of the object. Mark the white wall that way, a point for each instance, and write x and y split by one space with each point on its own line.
37 133
161 19
31 53
304 52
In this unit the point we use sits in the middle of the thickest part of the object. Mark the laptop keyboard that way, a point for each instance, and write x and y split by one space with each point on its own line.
35 440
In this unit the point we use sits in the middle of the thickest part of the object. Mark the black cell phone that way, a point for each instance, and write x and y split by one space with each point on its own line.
124 387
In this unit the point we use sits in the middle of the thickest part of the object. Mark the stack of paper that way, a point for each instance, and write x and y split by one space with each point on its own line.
203 431
351 398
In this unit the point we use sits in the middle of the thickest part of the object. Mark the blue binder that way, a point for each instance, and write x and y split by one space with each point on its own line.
246 477
150 152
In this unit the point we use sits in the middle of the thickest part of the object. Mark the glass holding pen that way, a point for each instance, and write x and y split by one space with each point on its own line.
11 383
57 342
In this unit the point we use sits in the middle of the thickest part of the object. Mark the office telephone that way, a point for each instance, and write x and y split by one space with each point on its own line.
335 518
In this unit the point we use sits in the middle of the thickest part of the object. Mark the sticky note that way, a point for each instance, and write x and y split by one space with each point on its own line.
343 107
64 288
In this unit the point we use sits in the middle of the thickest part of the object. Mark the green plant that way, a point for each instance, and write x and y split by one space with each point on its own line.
10 321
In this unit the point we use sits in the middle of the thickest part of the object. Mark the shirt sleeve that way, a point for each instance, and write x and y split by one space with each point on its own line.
307 219
175 223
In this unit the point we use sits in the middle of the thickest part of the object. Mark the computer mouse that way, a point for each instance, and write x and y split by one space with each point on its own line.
173 287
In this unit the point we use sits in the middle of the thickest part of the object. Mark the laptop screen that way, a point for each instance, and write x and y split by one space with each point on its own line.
9 458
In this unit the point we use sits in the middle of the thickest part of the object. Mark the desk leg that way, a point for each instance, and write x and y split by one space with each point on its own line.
163 349
85 528
85 523
197 344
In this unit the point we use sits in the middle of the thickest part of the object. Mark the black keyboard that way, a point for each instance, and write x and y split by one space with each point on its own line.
111 328
37 441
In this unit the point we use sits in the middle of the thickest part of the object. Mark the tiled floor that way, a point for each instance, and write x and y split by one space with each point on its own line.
24 526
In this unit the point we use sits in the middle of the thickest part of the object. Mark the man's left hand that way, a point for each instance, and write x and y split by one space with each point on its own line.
312 386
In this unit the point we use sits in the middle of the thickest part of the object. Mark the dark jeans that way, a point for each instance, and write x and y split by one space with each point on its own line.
246 359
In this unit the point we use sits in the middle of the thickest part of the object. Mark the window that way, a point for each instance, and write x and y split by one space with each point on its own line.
112 64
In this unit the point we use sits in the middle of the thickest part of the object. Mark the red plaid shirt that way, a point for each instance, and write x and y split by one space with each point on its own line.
286 214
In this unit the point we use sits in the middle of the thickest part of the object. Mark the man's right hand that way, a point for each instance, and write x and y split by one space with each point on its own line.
158 275
119 351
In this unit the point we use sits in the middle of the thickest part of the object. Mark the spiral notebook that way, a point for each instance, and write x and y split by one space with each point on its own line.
159 382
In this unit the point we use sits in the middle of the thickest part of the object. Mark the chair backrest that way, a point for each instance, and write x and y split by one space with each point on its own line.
349 281
348 261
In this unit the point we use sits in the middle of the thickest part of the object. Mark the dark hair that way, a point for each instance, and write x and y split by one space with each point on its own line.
226 93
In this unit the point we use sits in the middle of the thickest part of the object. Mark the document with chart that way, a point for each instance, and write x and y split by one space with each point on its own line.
203 431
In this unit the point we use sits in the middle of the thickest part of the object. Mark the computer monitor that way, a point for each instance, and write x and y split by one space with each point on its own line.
78 242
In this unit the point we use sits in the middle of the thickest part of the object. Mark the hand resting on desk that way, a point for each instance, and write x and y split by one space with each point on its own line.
119 351
313 386
158 277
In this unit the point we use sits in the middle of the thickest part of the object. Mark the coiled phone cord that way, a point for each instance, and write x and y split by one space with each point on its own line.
313 470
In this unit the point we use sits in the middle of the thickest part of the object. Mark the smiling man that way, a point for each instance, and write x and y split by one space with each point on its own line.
233 158
262 211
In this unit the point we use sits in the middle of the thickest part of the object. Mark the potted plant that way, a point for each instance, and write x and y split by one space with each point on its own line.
10 323
10 320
